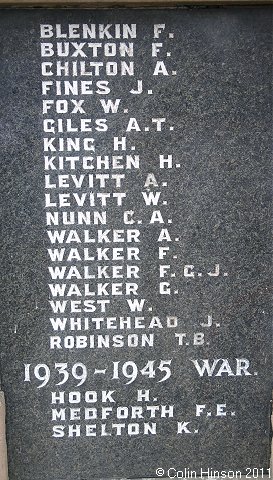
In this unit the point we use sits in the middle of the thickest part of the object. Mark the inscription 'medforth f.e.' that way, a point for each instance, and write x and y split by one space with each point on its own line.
147 346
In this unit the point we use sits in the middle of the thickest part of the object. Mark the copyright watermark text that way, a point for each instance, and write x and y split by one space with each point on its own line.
205 473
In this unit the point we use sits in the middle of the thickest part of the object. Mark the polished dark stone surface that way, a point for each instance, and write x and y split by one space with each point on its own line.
220 105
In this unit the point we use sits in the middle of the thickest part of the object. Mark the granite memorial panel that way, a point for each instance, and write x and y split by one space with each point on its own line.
136 176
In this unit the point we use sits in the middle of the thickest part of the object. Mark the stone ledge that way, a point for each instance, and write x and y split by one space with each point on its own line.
243 477
126 3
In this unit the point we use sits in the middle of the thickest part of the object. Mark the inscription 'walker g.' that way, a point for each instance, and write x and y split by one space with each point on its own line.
136 183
